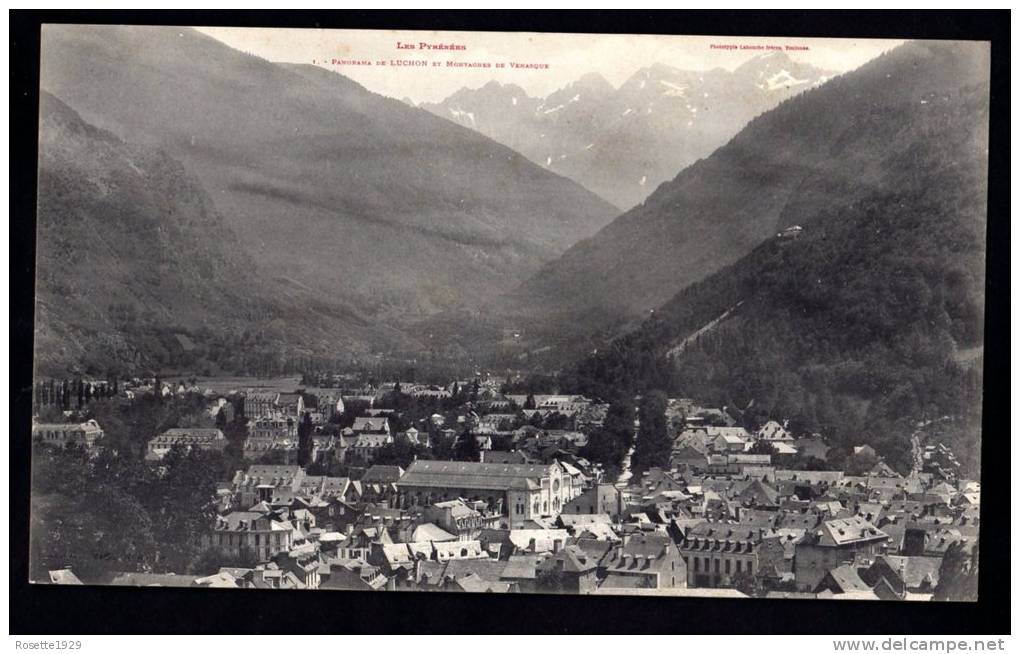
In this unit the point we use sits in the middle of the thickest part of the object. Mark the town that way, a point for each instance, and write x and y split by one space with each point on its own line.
474 486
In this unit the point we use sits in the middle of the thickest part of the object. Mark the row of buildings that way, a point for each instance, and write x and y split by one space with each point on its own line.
726 517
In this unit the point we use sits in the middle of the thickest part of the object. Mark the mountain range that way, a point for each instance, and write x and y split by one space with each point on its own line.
829 146
329 187
324 194
623 142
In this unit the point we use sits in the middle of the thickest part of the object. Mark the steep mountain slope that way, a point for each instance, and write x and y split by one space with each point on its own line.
863 326
786 167
136 270
622 143
331 188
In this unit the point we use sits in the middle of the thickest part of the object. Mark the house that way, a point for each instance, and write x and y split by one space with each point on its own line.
456 517
428 532
259 405
865 451
366 447
500 456
582 525
272 428
221 405
379 474
371 425
86 434
604 499
303 562
773 431
833 543
416 437
187 437
689 456
727 439
457 549
290 404
534 541
394 557
820 478
329 404
352 575
645 561
842 579
906 575
715 553
574 569
257 534
776 553
755 493
283 451
266 483
523 571
518 492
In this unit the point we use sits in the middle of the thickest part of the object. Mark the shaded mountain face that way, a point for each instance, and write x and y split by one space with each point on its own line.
868 326
786 167
622 143
332 190
136 270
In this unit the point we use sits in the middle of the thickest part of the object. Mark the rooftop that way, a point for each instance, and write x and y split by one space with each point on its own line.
464 474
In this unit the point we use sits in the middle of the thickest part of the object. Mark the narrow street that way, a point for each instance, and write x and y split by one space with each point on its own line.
625 474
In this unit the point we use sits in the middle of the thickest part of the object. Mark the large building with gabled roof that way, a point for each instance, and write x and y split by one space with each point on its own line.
520 492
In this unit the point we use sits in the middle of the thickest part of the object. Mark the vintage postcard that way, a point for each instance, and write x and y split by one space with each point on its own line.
507 312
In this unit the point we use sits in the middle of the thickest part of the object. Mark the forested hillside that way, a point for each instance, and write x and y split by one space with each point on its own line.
137 271
859 136
867 323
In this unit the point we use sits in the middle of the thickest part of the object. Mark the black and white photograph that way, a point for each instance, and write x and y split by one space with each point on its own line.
509 312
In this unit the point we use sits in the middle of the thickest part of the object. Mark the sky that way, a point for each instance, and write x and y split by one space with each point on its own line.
568 56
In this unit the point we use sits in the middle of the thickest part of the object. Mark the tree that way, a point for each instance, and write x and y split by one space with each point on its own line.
556 420
858 464
86 514
605 448
653 445
529 402
305 442
401 452
551 579
211 560
748 583
466 448
958 575
762 446
443 447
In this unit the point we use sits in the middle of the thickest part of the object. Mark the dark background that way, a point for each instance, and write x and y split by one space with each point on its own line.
41 609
